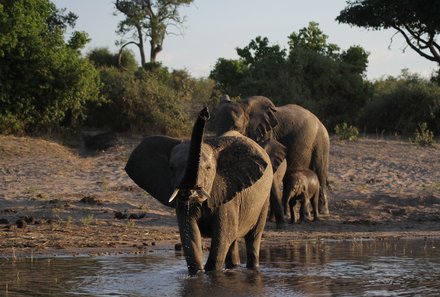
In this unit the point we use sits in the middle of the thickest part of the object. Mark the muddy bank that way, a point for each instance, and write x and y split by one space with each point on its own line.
57 200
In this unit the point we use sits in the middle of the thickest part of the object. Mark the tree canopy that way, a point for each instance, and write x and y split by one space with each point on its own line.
149 19
44 81
313 73
417 21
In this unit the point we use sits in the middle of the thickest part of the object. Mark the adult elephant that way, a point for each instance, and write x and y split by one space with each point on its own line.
300 131
220 188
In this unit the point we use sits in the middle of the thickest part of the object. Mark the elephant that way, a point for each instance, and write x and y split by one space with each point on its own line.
277 155
219 186
304 191
306 139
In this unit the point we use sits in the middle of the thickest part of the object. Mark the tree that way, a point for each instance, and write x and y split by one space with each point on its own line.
44 81
149 19
312 38
417 21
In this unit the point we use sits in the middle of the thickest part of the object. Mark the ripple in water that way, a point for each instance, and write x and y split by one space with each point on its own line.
338 268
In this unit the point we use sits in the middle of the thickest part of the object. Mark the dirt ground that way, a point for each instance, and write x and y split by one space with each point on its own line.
56 200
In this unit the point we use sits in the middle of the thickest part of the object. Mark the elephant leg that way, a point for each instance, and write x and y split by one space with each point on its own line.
276 208
192 243
253 240
223 238
315 207
323 202
320 162
302 210
233 256
217 254
292 211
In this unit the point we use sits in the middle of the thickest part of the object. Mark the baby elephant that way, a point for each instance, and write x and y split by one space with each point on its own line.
301 190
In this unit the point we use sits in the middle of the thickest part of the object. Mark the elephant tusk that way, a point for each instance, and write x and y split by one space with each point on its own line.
176 191
205 194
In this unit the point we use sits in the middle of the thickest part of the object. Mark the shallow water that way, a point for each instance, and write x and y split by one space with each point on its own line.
407 267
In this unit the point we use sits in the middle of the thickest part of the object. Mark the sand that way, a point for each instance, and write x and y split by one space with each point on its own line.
56 200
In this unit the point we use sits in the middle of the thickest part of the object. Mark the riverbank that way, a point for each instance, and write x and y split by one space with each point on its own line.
56 200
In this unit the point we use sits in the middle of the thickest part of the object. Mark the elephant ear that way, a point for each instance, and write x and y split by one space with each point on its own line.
239 166
148 167
262 117
276 152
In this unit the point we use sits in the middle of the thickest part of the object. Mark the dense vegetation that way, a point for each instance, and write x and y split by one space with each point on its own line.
44 81
46 84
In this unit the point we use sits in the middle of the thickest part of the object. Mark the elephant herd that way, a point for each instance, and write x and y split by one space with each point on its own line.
221 186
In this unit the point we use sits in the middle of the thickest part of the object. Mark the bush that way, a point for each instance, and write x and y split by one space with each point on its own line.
150 102
346 132
423 136
399 104
44 81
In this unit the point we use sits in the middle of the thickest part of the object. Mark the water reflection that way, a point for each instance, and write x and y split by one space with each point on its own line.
339 268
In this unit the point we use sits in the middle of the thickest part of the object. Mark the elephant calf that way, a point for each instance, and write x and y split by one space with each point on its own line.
301 190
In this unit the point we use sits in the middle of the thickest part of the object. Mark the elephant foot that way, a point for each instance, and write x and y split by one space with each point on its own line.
194 272
231 265
281 225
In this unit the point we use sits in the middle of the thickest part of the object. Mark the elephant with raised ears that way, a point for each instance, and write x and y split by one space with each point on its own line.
299 130
220 187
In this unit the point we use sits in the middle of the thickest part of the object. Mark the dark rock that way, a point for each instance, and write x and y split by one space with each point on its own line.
100 141
4 222
21 223
29 219
178 246
137 216
398 212
121 215
9 210
90 200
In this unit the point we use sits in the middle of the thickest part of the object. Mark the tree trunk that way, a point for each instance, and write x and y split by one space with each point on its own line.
141 46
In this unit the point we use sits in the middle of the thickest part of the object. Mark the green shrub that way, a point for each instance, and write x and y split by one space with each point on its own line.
423 136
10 124
346 132
399 104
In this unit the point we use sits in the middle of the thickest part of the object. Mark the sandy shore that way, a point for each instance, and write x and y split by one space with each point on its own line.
57 200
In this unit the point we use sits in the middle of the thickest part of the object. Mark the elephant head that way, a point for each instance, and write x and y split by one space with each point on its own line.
166 167
299 187
253 117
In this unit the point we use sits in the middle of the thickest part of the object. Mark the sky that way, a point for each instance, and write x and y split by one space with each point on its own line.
214 29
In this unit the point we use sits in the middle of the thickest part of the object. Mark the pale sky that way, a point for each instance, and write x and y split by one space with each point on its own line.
213 29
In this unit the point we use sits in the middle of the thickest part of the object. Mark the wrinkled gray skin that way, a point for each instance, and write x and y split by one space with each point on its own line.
223 193
300 131
305 191
277 155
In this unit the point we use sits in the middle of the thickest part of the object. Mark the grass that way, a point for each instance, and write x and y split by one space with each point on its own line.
87 220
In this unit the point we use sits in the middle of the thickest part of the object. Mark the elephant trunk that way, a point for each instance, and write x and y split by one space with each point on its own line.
189 180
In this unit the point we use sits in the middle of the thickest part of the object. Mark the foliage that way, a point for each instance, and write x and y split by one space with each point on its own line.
313 73
348 132
149 19
312 38
417 21
44 81
423 136
102 57
399 104
150 102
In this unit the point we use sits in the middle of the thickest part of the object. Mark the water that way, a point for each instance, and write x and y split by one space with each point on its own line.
322 268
